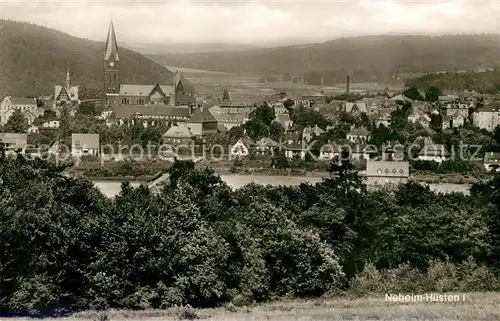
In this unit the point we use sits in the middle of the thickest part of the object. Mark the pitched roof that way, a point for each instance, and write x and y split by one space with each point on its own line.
122 111
22 101
90 141
359 132
202 115
181 131
111 45
186 84
144 90
18 140
267 142
491 107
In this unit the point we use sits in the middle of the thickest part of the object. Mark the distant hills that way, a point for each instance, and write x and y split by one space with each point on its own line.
34 58
176 48
368 58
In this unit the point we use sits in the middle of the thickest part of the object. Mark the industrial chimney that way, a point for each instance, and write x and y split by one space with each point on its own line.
347 84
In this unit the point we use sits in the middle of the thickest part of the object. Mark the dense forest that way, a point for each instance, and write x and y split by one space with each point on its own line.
381 56
484 82
66 247
34 59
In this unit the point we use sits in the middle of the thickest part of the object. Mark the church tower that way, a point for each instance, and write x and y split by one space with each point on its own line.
111 63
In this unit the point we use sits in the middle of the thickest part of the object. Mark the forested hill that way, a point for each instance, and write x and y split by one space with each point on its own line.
378 56
484 82
33 59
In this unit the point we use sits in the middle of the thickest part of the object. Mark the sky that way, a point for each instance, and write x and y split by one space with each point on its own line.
253 21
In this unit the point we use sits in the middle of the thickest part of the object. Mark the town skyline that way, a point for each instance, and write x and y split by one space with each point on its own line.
259 23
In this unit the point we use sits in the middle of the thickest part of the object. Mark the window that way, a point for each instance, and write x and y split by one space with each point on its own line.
394 171
379 171
387 171
401 171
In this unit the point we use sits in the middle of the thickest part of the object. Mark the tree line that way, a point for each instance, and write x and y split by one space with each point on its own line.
65 247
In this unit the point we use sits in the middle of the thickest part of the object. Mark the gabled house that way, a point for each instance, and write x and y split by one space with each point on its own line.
178 135
202 122
488 117
14 142
241 148
420 117
266 146
383 117
453 121
27 106
291 138
309 132
492 161
285 121
358 135
85 144
356 108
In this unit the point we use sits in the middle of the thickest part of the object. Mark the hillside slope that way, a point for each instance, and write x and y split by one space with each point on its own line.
33 59
377 55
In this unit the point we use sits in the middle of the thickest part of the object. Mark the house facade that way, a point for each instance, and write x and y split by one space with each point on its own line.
386 172
433 152
241 148
14 142
358 135
85 144
27 106
492 161
178 135
488 117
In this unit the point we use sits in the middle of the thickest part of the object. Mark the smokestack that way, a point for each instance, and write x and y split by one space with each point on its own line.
347 84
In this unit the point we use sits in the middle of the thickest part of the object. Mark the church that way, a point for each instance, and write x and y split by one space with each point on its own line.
65 95
180 93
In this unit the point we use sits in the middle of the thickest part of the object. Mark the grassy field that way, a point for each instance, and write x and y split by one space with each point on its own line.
471 306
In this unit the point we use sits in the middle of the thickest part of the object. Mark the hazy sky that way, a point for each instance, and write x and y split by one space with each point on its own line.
253 21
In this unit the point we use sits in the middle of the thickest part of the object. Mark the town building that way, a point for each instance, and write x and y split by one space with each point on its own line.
488 117
27 106
241 148
229 120
202 123
358 135
310 132
386 172
492 161
285 121
433 152
265 146
179 93
356 108
85 144
65 95
14 142
178 135
420 117
453 121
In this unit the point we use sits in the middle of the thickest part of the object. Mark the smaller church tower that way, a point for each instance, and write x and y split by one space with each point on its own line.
111 63
68 82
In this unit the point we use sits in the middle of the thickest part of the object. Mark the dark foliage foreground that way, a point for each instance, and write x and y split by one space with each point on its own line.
66 247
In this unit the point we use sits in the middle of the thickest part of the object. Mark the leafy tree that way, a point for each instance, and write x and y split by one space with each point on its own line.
287 77
263 113
432 94
295 80
87 108
256 129
236 133
17 123
276 131
413 93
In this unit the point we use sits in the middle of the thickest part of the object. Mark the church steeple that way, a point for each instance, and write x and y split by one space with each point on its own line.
68 82
111 63
111 52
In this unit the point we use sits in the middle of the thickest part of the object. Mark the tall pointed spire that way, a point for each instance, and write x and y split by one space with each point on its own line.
68 83
111 45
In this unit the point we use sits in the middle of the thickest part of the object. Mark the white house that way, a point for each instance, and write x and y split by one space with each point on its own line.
27 106
488 117
433 152
51 124
358 135
85 144
492 161
241 148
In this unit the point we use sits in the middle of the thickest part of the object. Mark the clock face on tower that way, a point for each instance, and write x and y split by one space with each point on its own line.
111 64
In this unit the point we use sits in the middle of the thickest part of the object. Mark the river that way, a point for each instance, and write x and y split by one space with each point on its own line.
112 188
